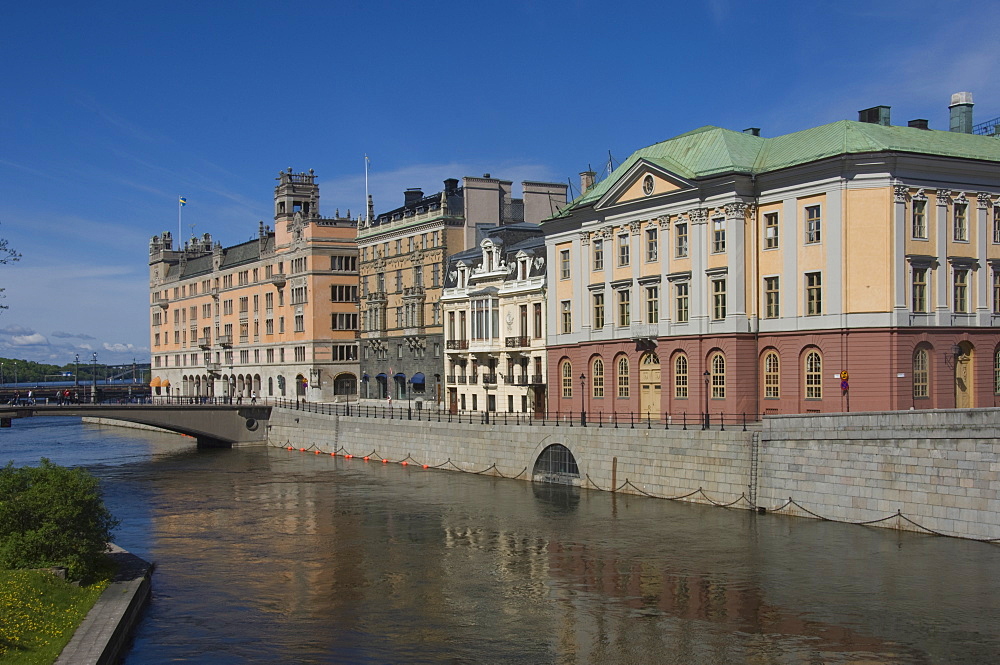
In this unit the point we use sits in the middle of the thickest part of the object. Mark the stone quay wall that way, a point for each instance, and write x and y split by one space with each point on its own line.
927 470
939 469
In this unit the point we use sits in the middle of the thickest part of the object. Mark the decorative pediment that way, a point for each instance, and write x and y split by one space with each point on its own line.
644 180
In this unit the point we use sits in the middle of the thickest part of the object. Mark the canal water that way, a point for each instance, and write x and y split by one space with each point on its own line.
270 556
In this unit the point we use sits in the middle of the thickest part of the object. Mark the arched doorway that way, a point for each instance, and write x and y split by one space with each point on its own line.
300 386
965 396
345 384
649 385
556 464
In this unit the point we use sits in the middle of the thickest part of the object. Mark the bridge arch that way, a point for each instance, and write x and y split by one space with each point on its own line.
556 464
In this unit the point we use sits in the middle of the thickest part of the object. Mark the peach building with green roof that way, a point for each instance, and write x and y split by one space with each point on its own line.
731 272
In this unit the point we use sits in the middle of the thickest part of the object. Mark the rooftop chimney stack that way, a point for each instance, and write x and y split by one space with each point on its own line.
752 131
587 179
412 195
919 123
961 112
876 115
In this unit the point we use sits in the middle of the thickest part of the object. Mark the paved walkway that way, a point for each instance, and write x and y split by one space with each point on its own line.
107 628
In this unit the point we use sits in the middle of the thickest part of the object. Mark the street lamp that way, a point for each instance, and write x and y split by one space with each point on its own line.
93 392
583 400
707 376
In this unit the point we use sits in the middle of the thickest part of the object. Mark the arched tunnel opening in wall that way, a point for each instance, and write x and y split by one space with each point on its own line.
556 464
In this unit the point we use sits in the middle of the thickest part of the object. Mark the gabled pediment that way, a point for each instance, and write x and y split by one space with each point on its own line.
645 180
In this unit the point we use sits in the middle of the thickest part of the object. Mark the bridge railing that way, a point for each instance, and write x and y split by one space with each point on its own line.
616 420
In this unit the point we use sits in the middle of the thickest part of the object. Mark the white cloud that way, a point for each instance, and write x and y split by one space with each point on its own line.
29 340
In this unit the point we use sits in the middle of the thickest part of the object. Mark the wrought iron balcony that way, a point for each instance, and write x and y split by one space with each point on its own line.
457 344
451 378
537 379
517 342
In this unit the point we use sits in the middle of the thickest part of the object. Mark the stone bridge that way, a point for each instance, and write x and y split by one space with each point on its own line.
213 425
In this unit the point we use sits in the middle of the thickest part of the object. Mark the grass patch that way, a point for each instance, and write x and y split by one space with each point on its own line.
39 613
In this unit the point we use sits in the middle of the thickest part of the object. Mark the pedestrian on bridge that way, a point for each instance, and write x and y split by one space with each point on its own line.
253 396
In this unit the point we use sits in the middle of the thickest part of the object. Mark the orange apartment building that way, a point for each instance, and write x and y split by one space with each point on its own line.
276 316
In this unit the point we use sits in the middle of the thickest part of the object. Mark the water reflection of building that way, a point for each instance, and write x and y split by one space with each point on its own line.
277 315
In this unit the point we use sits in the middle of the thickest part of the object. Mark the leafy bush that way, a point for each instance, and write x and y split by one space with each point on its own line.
51 515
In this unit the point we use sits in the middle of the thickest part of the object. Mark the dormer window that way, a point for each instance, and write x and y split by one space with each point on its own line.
463 276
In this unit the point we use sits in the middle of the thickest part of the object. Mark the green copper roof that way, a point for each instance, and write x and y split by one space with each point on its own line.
709 151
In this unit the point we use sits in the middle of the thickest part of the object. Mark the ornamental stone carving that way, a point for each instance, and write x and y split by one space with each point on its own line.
943 197
920 195
735 209
698 215
985 200
634 227
584 238
900 192
663 221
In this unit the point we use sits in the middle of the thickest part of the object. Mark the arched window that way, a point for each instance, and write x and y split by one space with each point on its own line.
921 379
718 376
681 376
814 375
771 376
996 372
567 379
623 376
597 374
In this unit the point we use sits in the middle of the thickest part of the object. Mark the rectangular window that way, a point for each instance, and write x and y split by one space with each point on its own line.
598 249
814 222
538 320
623 250
598 311
920 289
300 353
961 291
681 241
920 219
996 224
718 299
814 294
961 222
624 308
771 230
300 325
718 235
652 248
996 291
567 317
681 294
772 298
564 264
652 304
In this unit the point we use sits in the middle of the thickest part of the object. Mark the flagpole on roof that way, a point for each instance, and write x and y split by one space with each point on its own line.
180 236
368 216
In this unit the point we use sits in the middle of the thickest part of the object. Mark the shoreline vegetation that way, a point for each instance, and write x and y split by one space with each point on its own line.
39 612
52 520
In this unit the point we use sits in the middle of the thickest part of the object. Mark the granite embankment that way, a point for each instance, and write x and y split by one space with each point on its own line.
936 471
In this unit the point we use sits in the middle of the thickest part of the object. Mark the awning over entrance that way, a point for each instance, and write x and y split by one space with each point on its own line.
417 378
165 383
156 382
399 375
380 376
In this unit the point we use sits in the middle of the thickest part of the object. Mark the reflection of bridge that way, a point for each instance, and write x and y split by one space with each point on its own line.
214 425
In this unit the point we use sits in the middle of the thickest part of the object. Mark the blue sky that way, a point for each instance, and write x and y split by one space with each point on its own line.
112 110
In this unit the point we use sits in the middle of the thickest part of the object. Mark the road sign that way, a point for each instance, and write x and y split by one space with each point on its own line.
844 386
843 375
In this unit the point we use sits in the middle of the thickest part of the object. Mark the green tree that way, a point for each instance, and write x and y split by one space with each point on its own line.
51 515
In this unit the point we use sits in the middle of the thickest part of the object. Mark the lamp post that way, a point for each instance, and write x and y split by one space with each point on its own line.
708 376
486 387
76 371
93 392
409 396
583 400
